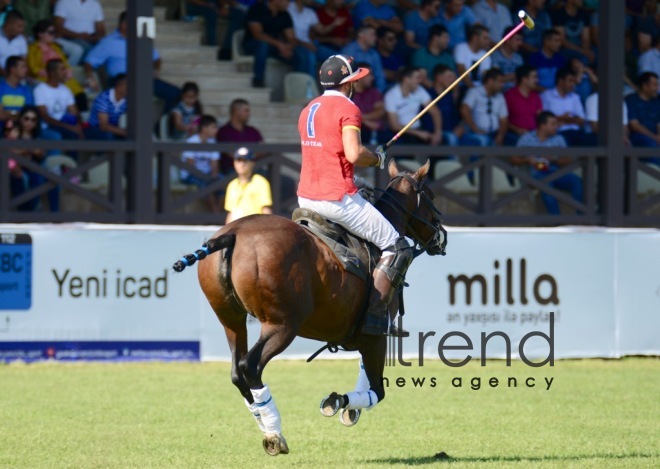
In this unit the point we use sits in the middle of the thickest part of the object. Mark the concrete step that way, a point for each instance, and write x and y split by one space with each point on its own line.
188 54
215 68
164 28
219 80
268 112
111 11
227 95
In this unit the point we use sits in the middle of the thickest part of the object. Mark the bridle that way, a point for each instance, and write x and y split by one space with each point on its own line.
438 240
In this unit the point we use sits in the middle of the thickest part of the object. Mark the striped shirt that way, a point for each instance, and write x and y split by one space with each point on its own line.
106 103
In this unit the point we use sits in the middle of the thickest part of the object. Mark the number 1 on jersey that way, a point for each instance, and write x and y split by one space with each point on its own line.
311 133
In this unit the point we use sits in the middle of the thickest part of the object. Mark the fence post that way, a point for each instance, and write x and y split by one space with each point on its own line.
140 111
610 110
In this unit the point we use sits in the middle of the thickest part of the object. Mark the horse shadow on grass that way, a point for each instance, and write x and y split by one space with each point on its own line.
443 458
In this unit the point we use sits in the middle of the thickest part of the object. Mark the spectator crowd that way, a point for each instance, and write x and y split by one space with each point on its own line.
52 52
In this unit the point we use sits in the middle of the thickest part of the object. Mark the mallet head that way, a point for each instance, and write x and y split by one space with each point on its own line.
525 18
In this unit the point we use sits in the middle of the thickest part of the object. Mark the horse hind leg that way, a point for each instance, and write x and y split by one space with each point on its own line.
237 339
273 340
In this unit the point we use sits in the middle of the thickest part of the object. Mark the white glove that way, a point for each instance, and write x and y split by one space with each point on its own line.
362 183
382 156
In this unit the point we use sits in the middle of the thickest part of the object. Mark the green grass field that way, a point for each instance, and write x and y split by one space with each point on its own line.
596 414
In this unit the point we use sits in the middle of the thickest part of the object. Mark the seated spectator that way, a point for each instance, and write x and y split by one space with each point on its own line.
646 25
545 135
507 58
12 40
386 44
111 53
418 22
644 113
33 11
236 21
649 61
210 10
377 14
533 38
269 33
435 53
404 101
363 50
370 102
79 26
44 49
484 112
184 117
572 22
548 60
565 104
107 109
207 162
456 17
452 127
467 53
56 104
237 130
13 93
493 15
305 21
523 104
336 29
249 193
585 79
591 111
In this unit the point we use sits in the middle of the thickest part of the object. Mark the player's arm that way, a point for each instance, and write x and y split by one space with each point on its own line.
355 152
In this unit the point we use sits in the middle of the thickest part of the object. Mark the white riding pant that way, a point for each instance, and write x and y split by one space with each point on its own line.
356 215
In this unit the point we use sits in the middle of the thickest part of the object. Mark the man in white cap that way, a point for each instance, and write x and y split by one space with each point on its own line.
329 128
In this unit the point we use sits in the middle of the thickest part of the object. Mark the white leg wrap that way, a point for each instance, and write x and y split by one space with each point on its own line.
361 400
270 416
362 381
254 410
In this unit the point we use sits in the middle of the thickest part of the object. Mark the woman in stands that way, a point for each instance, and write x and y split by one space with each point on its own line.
43 50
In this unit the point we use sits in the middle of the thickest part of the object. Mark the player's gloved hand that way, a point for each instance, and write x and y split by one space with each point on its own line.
382 156
362 183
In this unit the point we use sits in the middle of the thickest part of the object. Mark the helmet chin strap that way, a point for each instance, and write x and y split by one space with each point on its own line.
350 93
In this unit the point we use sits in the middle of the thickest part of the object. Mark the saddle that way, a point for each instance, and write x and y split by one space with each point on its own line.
356 255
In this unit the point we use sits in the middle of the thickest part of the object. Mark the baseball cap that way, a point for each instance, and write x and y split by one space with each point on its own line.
244 153
339 69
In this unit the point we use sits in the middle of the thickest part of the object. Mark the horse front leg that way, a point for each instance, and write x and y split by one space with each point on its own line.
369 388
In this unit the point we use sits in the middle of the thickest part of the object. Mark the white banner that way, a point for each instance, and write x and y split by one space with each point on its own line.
85 287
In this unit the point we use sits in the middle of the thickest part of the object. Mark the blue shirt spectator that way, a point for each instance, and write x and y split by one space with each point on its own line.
111 52
456 17
548 60
533 38
494 16
418 22
110 103
644 113
366 9
363 50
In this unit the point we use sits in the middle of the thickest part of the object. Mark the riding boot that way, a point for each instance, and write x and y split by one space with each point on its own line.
387 278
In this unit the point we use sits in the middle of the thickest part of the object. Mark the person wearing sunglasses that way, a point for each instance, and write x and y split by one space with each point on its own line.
249 193
43 50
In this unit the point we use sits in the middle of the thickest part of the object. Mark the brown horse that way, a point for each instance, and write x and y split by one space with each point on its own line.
277 271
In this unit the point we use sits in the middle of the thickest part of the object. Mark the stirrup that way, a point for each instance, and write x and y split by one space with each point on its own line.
396 331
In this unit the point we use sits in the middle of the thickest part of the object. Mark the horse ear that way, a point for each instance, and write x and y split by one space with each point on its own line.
393 168
423 171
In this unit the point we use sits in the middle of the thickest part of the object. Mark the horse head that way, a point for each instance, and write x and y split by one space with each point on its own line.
408 203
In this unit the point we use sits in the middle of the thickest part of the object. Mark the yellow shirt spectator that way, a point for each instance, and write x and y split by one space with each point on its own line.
248 198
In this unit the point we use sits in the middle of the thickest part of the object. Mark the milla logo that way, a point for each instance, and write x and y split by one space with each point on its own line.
543 288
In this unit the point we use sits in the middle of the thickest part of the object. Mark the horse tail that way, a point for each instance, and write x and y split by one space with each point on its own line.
209 247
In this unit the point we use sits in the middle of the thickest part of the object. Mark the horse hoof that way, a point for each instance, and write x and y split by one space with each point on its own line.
349 417
275 444
331 404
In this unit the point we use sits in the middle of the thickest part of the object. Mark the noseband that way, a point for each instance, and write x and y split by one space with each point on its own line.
439 237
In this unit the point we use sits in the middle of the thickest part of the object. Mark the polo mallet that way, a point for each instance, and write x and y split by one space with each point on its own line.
525 20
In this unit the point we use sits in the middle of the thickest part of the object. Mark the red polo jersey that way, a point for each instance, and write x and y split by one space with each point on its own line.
326 174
